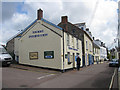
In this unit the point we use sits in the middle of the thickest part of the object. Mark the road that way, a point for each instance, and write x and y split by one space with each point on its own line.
94 76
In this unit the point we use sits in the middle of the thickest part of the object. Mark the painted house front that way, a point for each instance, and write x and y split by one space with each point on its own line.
79 31
96 52
103 50
45 44
88 50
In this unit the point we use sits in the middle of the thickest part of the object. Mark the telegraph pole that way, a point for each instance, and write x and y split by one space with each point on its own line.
119 31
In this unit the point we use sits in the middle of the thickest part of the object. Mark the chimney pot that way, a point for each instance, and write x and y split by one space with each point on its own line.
40 14
64 19
87 29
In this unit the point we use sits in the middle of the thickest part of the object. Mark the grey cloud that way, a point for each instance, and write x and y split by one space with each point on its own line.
8 9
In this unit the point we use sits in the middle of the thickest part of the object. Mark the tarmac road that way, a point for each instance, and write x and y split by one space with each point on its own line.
94 76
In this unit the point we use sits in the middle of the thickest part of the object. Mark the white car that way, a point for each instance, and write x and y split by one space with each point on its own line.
5 58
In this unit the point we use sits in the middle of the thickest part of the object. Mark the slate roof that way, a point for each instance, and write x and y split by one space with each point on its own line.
51 24
44 20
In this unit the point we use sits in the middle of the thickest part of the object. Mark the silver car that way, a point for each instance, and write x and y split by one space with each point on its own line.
5 58
114 63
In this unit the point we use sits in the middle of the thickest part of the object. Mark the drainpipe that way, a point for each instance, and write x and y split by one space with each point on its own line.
63 52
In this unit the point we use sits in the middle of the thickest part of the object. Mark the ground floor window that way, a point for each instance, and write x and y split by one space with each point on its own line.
68 57
33 55
48 54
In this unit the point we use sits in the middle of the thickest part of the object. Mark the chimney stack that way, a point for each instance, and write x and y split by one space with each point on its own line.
87 29
39 14
101 43
93 38
64 19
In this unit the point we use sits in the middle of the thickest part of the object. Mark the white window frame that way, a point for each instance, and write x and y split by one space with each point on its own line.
77 44
68 40
86 45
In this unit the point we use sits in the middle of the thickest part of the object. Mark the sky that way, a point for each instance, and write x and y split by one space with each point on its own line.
100 16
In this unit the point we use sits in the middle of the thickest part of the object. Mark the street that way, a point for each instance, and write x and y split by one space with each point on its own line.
94 76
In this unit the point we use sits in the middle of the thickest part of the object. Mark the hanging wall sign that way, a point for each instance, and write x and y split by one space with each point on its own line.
48 54
72 49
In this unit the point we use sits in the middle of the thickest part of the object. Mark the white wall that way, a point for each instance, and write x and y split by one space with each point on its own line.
51 42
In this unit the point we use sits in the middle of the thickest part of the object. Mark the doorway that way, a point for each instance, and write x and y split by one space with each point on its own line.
73 60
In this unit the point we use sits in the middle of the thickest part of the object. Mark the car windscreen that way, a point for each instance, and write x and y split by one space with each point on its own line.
3 51
114 60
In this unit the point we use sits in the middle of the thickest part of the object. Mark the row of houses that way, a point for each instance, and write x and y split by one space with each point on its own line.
47 45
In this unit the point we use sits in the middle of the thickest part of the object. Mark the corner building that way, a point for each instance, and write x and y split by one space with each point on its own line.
45 44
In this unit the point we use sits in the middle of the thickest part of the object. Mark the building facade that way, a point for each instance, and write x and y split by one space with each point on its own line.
45 44
103 50
96 52
81 33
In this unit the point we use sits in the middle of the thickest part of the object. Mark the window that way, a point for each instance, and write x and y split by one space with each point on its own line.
68 57
33 55
48 54
73 41
68 42
82 28
90 47
94 50
86 45
73 31
77 43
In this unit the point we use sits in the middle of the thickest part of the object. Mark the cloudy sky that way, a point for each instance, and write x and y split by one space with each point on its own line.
99 15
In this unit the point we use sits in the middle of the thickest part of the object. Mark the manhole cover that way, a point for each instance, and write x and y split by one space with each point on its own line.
23 85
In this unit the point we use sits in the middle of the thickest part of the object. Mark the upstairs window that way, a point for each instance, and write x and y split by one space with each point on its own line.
77 43
72 41
86 45
73 31
68 41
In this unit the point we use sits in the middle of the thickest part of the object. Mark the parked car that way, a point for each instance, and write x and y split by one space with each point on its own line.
5 58
114 63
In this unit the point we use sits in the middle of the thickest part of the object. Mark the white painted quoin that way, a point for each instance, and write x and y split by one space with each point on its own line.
41 44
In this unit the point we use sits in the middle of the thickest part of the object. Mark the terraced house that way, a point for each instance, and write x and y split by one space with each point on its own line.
79 31
96 52
47 45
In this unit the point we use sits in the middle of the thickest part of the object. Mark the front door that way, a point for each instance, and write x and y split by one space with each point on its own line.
73 60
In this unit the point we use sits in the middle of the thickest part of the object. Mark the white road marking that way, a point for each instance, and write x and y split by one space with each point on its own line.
112 79
45 76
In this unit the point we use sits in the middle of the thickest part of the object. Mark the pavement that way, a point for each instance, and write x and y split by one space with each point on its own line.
35 69
93 76
119 77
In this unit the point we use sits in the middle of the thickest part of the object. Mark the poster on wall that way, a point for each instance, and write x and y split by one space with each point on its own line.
48 54
33 55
